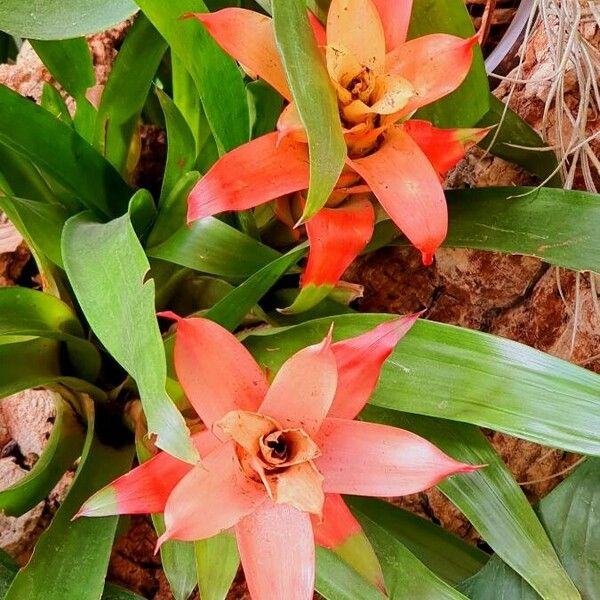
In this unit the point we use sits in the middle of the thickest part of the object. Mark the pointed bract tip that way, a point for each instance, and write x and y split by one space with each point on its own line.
325 344
427 258
165 537
472 41
191 15
80 513
169 314
471 468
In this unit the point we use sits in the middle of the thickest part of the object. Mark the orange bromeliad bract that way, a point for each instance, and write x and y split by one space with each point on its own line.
380 80
275 458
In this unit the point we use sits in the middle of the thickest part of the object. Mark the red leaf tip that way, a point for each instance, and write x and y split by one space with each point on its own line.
427 258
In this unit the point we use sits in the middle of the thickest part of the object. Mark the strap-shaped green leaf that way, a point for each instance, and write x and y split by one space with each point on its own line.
9 568
62 449
570 515
69 62
470 102
405 575
447 555
462 375
27 363
62 19
314 97
107 266
211 246
218 79
231 310
57 149
180 149
337 580
217 562
26 312
491 500
125 94
68 549
559 226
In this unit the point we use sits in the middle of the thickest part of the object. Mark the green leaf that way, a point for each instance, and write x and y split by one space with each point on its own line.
514 130
9 568
27 312
217 562
125 94
448 556
314 97
107 266
405 576
55 104
41 225
53 146
21 177
337 580
211 246
218 80
558 226
462 375
570 515
27 364
68 549
491 500
470 102
180 146
61 19
172 210
69 62
62 449
265 107
43 222
231 310
187 100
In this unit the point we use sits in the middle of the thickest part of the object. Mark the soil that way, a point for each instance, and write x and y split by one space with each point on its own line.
516 297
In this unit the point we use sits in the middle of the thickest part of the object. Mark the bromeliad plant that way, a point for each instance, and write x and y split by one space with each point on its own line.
276 458
244 420
379 80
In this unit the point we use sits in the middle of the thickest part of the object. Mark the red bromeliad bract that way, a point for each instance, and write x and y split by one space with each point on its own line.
380 79
275 458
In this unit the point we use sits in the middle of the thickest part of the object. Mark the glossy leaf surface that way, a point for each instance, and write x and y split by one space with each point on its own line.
125 94
218 79
56 148
314 98
492 501
61 19
570 515
559 226
213 247
447 555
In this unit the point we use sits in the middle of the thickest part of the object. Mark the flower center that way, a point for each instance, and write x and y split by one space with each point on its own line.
274 448
280 459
